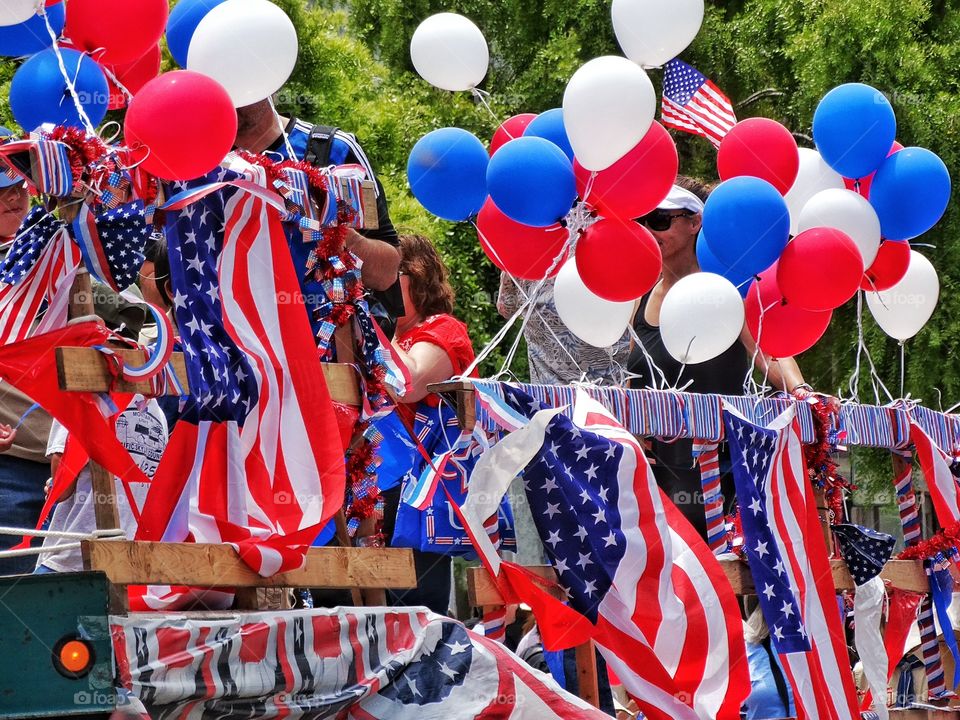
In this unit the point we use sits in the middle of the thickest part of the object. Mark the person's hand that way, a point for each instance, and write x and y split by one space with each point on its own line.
7 436
805 393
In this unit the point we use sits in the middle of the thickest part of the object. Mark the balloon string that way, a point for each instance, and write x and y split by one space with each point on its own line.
109 73
854 384
283 130
71 86
902 365
750 386
479 95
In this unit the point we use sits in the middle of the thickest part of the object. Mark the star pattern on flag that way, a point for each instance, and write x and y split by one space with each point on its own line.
123 234
752 451
223 385
435 671
864 550
38 228
573 495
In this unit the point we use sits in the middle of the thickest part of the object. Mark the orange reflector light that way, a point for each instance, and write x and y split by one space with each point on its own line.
75 656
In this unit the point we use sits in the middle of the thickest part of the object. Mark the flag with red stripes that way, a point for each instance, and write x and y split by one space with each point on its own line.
357 664
639 579
941 482
693 104
788 559
255 459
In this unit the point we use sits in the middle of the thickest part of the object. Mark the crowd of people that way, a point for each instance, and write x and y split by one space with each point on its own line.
411 297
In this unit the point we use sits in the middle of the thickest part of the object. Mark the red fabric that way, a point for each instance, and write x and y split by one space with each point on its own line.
901 616
448 334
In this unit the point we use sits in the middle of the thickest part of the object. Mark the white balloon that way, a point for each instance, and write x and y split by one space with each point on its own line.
248 46
848 212
903 310
652 32
814 176
594 320
14 12
608 107
450 52
701 317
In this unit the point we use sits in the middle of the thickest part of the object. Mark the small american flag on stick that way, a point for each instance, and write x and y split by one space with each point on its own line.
693 104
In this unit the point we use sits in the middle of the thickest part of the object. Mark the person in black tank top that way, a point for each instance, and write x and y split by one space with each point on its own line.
675 225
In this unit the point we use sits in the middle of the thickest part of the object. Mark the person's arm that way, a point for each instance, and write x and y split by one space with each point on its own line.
7 437
783 373
381 261
427 364
508 297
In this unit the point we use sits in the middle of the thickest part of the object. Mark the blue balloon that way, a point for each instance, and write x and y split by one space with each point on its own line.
549 126
708 262
31 36
182 23
747 224
447 170
532 182
854 127
910 193
38 91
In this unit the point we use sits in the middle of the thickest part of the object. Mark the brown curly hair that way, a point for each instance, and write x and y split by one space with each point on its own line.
430 287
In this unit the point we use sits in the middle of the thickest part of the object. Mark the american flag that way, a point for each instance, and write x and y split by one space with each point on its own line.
643 583
936 467
255 459
36 276
788 559
362 664
693 104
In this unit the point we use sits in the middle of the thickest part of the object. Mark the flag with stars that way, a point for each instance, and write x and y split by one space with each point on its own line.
36 275
638 578
357 663
113 242
693 104
864 550
255 459
788 559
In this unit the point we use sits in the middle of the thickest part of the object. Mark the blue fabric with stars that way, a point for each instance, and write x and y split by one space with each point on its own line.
864 550
123 233
572 488
431 676
752 449
222 382
37 229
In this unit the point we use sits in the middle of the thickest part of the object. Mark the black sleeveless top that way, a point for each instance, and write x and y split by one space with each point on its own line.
674 467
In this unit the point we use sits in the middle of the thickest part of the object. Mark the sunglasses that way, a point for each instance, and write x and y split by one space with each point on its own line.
661 220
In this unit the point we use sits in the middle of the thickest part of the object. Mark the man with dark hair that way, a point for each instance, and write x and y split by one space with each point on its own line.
260 131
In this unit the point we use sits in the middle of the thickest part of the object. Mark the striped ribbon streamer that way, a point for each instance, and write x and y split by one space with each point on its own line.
495 623
708 455
930 648
907 500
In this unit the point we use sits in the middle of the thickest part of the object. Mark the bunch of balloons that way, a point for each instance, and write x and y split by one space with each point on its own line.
814 227
95 55
586 170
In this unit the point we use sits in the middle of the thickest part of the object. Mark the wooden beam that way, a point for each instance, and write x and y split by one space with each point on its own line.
104 498
81 369
903 574
146 563
588 688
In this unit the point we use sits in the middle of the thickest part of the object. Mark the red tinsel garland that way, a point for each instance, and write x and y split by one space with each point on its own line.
945 541
822 468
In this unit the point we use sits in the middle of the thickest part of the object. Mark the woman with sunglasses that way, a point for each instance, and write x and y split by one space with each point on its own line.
675 225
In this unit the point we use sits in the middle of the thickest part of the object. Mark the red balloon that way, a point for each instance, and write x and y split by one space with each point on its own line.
865 183
185 120
636 183
820 269
116 32
618 259
510 129
787 329
133 76
521 250
889 267
761 148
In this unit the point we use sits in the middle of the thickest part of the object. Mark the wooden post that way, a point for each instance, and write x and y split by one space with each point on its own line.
101 481
823 511
587 685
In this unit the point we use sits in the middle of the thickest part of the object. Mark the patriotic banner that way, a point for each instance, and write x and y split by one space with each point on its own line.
357 664
784 543
693 104
941 482
639 579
